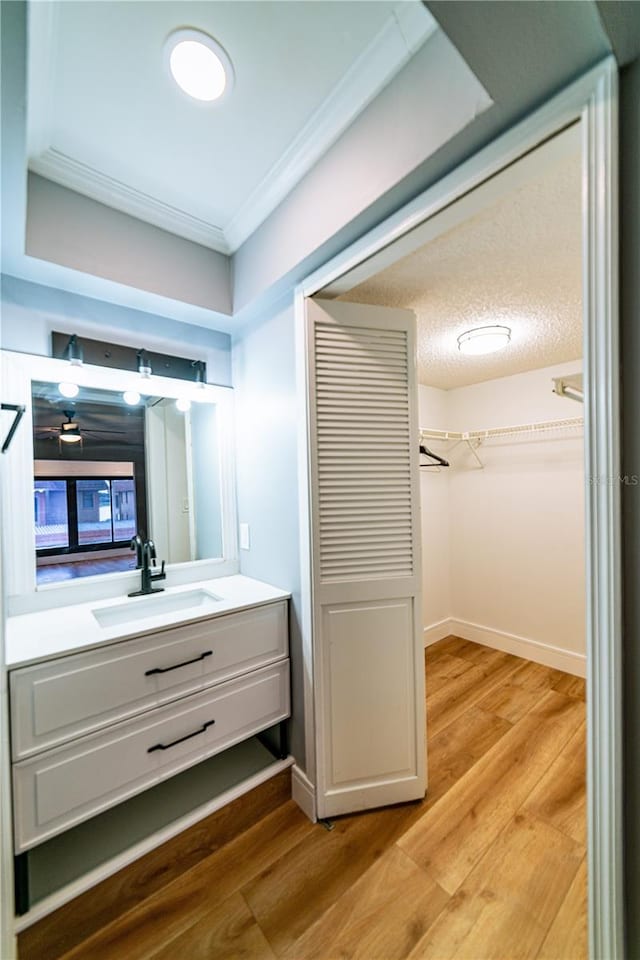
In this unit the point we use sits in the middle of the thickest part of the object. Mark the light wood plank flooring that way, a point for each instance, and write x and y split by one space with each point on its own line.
490 865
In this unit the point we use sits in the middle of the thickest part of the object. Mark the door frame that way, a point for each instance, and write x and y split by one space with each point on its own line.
592 100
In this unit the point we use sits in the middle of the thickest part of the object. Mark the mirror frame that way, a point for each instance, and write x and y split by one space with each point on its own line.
18 372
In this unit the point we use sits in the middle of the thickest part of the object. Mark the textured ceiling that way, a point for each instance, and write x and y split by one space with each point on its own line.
518 263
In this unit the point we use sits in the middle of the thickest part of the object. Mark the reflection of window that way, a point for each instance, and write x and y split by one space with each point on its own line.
83 514
51 514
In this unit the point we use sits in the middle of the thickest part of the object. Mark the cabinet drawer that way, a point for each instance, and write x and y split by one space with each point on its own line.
71 696
62 787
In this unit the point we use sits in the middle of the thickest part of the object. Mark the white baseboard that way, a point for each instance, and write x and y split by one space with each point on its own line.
544 653
303 792
437 631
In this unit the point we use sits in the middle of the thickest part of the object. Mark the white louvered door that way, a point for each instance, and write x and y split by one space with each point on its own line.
366 569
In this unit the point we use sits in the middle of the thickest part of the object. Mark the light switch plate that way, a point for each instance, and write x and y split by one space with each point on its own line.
244 536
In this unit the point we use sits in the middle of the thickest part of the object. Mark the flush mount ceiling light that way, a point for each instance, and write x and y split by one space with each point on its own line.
198 64
482 340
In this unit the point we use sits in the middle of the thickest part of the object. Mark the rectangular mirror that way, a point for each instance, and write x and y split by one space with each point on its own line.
105 469
86 473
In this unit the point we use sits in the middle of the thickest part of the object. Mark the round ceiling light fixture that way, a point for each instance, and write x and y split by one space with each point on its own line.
482 340
198 64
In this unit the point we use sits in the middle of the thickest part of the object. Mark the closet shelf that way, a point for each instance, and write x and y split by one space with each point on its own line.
516 430
474 438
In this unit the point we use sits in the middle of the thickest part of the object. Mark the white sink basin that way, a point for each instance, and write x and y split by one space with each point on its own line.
200 601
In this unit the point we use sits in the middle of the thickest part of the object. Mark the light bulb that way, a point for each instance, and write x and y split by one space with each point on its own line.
68 389
132 397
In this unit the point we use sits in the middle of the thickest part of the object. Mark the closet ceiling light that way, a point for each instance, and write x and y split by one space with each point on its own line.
198 64
484 340
131 397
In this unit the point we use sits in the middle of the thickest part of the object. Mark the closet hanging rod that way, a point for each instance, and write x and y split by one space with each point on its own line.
570 387
517 429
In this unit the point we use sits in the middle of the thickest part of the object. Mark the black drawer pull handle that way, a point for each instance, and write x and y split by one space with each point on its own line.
165 746
149 673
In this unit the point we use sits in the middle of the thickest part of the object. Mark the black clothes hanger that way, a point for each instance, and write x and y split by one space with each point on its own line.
434 456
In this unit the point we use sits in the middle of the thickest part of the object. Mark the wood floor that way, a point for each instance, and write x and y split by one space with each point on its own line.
491 865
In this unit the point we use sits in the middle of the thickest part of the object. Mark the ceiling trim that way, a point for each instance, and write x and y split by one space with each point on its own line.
379 62
82 178
402 34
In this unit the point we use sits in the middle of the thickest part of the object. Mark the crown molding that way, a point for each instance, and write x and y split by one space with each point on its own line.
403 33
85 179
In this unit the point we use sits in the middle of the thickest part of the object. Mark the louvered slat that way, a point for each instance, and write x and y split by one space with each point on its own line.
363 453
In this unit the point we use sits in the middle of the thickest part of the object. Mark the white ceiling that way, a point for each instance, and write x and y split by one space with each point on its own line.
106 119
516 262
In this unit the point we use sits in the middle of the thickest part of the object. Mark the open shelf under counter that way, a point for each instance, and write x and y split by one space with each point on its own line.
65 866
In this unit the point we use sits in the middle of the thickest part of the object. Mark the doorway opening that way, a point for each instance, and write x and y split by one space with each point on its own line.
591 102
502 495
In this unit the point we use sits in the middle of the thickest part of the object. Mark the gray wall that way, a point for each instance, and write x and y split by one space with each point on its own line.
630 319
31 311
66 228
267 484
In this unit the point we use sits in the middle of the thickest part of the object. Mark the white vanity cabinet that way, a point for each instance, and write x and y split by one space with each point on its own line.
91 729
64 698
58 788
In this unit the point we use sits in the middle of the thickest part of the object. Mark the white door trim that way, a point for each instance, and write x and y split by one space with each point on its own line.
593 100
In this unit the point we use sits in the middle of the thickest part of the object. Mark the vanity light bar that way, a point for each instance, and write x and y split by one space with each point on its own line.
102 354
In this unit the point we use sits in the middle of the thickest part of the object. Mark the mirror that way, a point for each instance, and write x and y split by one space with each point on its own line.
203 528
105 469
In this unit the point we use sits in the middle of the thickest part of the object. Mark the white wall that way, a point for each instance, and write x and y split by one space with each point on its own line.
434 493
516 528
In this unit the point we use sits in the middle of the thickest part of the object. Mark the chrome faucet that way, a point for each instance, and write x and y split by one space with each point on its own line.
145 561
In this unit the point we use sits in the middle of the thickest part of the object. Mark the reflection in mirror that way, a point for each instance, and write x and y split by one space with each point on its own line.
105 469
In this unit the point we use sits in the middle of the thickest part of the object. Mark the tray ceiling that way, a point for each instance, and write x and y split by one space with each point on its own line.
106 119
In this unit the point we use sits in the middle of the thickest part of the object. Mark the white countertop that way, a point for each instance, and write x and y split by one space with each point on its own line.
34 637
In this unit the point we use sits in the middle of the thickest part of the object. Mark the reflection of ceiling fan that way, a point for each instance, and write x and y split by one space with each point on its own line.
70 432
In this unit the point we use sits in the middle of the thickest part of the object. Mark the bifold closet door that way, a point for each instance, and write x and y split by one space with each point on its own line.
365 520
